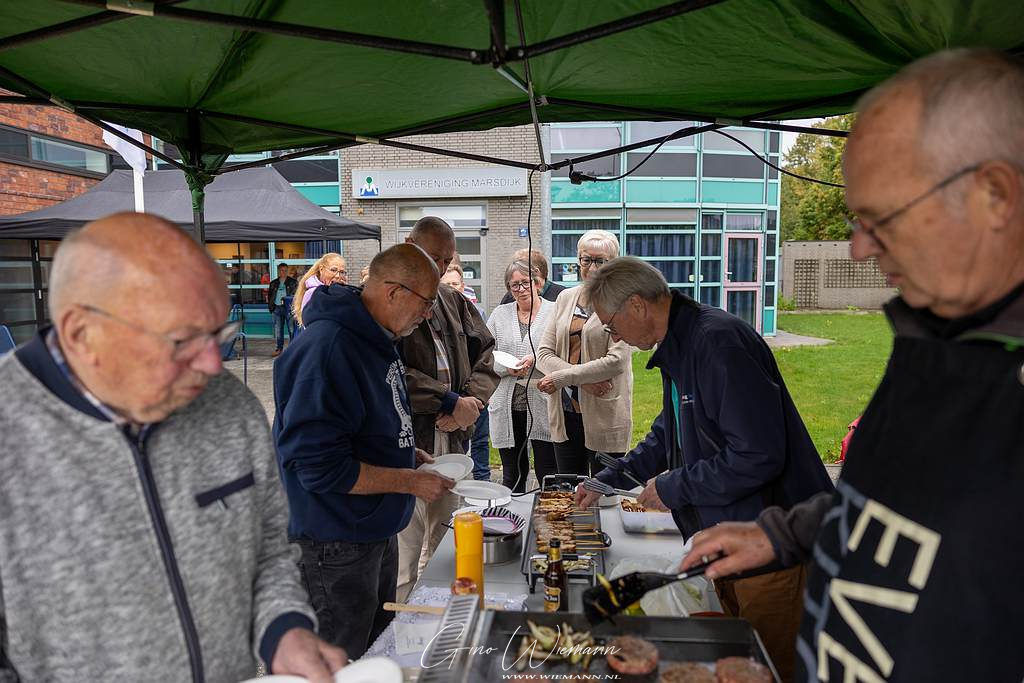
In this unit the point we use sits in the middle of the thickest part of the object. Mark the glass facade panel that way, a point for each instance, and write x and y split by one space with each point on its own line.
16 275
663 165
13 143
743 260
246 273
710 244
236 251
711 221
769 295
773 220
711 271
16 248
771 244
743 304
712 296
17 307
733 166
773 141
564 245
743 221
588 138
600 167
659 245
754 138
769 270
309 170
660 191
732 192
562 191
647 130
675 271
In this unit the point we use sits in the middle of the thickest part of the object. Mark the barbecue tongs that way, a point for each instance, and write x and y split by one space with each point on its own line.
611 597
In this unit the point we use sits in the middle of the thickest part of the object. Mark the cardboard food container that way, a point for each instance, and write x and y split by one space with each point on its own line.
649 522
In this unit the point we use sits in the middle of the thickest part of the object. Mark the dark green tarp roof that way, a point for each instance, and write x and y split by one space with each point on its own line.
739 59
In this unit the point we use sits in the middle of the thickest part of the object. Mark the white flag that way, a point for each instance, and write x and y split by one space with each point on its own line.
135 157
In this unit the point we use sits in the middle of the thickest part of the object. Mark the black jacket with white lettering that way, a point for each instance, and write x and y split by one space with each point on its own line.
917 561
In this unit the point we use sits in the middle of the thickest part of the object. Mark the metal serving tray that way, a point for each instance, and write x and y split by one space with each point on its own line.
563 482
678 639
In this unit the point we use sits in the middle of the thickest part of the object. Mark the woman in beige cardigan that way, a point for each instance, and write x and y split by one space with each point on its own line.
587 376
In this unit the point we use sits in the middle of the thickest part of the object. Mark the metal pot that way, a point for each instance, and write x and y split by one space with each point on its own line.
501 549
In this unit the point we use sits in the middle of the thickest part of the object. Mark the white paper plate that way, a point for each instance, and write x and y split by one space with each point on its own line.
372 670
507 359
455 466
483 492
608 501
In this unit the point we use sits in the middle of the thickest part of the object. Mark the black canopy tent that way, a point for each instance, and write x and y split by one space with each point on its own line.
255 204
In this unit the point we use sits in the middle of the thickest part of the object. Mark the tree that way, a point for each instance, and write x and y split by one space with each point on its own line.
810 211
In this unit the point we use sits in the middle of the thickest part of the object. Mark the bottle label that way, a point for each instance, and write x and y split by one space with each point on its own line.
552 599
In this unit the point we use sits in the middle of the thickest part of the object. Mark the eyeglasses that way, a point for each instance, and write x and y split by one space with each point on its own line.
588 261
428 303
609 326
182 349
337 271
520 286
870 228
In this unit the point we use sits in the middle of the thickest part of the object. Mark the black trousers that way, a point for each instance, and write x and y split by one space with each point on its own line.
515 461
348 584
572 456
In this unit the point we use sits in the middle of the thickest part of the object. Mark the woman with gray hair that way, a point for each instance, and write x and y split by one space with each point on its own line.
588 377
518 413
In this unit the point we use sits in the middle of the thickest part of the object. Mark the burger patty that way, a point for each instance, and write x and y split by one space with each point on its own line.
632 656
741 670
687 672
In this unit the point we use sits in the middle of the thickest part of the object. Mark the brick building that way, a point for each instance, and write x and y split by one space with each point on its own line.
46 156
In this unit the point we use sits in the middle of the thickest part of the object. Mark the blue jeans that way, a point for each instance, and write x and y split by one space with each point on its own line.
282 319
479 449
348 584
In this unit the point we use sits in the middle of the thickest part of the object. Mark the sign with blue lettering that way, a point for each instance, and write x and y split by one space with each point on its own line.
523 232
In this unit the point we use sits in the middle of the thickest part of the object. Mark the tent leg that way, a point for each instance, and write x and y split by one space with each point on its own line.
199 223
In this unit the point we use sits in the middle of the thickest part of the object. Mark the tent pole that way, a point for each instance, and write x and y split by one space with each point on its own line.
196 180
610 28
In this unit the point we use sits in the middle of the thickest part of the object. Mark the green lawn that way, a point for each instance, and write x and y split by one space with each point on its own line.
831 385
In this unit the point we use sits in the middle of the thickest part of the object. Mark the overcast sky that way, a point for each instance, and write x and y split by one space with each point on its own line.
789 139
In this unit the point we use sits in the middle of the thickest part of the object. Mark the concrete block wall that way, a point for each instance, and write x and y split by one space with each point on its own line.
821 275
504 214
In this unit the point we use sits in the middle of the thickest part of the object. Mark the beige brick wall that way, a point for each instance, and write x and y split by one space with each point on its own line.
504 214
822 275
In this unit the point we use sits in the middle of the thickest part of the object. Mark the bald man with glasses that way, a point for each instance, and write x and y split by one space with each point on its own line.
143 520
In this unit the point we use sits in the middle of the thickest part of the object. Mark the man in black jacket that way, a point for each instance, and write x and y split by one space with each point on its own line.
278 304
915 571
728 442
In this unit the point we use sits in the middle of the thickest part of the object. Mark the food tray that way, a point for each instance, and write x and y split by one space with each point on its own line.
592 518
695 639
648 522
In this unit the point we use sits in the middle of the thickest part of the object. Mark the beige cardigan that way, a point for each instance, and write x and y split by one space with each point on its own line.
608 419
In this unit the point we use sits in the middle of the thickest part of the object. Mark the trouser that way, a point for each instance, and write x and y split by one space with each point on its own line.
572 456
418 541
773 604
479 450
282 321
515 460
348 584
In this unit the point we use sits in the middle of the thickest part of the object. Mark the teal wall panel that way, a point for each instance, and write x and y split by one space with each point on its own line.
725 191
323 195
768 321
564 192
773 194
661 191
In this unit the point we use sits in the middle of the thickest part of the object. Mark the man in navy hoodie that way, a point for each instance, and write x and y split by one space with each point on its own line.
728 442
345 442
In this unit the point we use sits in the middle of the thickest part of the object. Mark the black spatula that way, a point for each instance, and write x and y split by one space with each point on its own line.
604 601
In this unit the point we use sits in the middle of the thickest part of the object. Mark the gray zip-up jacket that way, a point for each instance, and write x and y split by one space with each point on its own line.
160 561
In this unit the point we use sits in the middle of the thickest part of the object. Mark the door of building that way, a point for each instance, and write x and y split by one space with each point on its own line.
742 277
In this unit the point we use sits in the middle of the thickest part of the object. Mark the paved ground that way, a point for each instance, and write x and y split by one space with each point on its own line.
261 375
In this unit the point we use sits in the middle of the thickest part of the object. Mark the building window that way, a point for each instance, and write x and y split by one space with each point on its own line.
600 167
20 145
566 229
648 130
659 244
754 138
743 221
585 138
663 165
733 166
309 170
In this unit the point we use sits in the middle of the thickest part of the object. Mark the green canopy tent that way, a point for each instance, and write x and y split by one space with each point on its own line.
216 77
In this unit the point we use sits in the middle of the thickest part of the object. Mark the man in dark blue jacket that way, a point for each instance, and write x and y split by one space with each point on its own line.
728 443
345 442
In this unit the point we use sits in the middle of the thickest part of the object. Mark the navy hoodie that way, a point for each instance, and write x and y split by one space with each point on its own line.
341 400
737 443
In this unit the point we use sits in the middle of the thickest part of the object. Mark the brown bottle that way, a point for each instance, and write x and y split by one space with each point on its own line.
556 587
